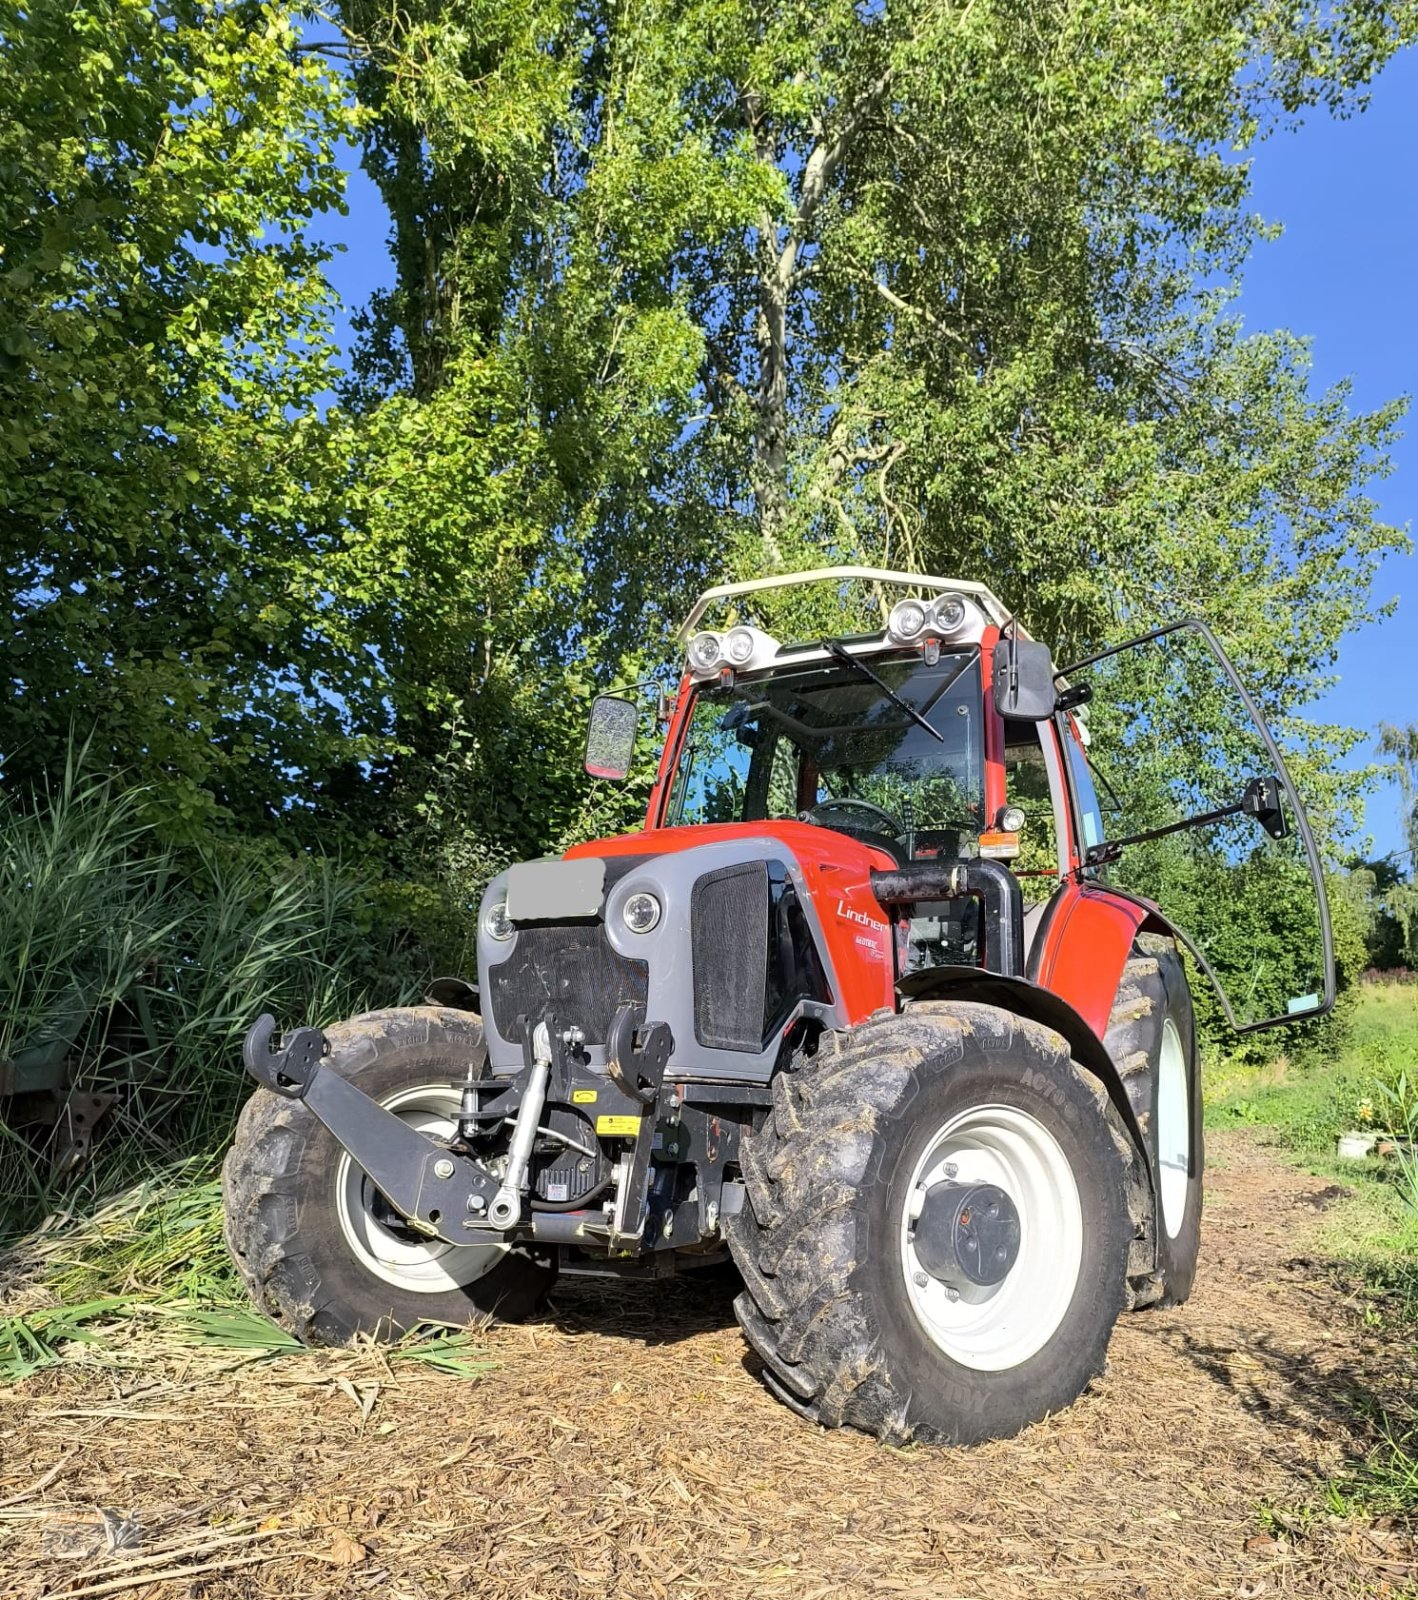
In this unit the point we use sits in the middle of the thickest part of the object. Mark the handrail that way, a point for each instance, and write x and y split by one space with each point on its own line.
988 601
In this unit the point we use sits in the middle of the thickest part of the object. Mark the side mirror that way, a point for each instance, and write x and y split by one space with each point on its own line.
610 738
1024 680
1262 801
1077 694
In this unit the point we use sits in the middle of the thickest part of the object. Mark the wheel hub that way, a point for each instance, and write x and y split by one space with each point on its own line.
967 1234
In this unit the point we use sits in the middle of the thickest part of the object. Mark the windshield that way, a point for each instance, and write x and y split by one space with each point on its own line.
824 743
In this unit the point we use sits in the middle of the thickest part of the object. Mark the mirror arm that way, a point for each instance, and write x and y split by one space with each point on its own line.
1261 801
1098 855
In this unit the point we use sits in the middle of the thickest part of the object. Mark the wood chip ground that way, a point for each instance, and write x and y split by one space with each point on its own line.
622 1447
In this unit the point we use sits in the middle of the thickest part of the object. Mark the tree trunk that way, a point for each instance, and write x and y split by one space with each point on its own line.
770 440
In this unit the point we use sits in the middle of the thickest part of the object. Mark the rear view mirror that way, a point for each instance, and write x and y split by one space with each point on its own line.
1024 680
1262 801
610 739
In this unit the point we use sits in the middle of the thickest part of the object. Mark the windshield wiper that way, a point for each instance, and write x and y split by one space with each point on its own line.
839 652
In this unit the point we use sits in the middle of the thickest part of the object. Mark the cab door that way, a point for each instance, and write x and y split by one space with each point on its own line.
1183 802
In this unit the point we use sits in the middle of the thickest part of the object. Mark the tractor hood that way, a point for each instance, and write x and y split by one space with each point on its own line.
729 934
828 850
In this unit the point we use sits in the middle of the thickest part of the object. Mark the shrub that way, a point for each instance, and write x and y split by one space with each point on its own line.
151 962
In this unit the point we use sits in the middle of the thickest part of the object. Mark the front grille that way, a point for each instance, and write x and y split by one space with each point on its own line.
728 916
570 971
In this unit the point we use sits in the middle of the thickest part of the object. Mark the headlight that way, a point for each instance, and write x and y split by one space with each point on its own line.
704 651
738 645
498 924
1011 819
641 912
948 613
907 619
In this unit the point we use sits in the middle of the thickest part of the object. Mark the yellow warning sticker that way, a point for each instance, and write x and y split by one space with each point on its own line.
627 1126
583 1097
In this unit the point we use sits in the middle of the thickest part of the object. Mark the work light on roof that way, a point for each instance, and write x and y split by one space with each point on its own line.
907 620
739 646
741 649
949 613
704 652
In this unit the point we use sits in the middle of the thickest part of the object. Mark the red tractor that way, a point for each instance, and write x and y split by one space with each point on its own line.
856 1010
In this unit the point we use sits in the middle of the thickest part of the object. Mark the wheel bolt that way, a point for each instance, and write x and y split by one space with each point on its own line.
443 1168
919 1279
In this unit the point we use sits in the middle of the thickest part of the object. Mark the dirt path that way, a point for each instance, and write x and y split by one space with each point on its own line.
622 1448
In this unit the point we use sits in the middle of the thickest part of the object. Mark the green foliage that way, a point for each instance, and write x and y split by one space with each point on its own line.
690 288
1401 896
1364 889
152 962
678 289
1320 1092
166 338
1400 1113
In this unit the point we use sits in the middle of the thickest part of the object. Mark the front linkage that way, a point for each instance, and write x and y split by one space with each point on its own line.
478 1185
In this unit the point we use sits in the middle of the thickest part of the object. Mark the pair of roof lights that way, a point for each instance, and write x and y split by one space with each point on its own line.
738 649
942 618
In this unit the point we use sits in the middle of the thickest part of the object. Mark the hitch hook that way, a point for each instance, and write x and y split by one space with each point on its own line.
286 1070
637 1070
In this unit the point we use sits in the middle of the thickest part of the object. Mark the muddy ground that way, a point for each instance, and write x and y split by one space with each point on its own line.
622 1446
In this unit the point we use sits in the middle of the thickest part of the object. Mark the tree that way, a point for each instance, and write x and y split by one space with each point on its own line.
920 283
681 287
1368 886
1401 899
166 339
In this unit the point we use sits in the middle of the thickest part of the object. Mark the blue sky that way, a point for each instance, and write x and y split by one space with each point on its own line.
1341 274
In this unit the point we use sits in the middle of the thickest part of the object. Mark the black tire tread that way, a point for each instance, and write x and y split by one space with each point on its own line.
794 1243
261 1178
1129 1039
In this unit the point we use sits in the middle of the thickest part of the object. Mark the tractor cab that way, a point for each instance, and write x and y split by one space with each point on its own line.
948 736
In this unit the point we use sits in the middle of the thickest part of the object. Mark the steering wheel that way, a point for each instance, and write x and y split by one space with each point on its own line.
894 829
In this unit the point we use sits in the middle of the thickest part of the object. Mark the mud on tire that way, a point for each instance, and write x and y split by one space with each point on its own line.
287 1183
1152 998
826 1303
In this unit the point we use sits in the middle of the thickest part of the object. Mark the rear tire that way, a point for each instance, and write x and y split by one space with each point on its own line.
1152 1038
306 1230
833 1302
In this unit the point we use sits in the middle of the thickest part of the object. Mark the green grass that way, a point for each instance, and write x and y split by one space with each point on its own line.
146 965
1311 1099
1304 1105
152 1262
1371 1238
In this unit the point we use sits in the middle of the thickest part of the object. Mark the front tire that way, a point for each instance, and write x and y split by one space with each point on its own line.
320 1252
834 1301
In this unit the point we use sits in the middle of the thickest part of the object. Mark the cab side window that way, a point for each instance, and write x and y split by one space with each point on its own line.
1026 778
1085 793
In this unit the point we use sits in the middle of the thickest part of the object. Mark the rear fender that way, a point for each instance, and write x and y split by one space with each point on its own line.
1027 999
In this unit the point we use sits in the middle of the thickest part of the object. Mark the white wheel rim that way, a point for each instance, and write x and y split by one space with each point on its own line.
1174 1129
419 1266
1006 1324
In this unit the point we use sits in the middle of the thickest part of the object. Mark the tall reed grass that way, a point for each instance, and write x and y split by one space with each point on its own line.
152 962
